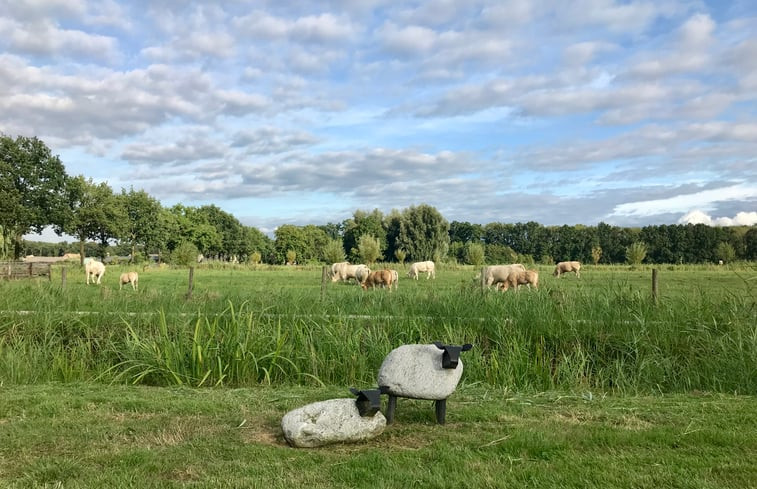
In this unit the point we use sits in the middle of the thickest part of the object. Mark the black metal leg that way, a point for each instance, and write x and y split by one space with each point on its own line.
441 410
391 406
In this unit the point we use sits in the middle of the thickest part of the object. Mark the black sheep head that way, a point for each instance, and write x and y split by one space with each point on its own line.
368 401
451 355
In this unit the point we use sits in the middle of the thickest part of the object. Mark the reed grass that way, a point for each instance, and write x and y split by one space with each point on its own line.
276 326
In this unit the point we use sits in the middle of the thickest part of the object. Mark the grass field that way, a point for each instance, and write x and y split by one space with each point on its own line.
583 383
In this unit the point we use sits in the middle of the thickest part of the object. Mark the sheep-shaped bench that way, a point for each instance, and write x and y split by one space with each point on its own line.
421 372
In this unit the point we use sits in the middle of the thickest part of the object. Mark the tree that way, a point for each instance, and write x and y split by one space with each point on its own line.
465 232
141 227
195 227
93 213
750 244
363 223
725 251
400 255
474 253
32 185
636 252
257 242
596 254
424 233
392 227
288 237
229 229
185 254
332 230
333 252
369 249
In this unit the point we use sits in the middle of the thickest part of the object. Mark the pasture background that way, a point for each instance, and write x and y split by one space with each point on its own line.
247 326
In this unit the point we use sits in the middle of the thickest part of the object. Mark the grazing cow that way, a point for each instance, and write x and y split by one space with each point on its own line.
420 267
520 277
497 274
129 278
395 279
382 278
568 266
344 271
94 270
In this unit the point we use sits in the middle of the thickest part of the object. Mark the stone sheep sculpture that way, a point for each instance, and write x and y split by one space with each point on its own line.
421 372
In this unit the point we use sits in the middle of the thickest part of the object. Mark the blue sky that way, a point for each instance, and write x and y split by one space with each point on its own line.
631 113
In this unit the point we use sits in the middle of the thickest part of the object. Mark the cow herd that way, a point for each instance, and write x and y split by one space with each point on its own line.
502 277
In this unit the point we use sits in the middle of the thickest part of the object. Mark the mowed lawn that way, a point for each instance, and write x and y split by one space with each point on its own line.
65 423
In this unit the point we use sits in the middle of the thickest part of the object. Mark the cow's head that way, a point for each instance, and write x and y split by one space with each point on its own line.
451 355
368 401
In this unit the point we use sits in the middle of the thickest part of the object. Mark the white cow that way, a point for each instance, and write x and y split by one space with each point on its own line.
344 271
566 267
420 267
497 274
95 270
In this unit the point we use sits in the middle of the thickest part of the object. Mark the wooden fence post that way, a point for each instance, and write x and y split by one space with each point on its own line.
191 282
324 280
655 290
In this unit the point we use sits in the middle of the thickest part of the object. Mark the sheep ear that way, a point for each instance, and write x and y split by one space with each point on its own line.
439 345
354 391
467 347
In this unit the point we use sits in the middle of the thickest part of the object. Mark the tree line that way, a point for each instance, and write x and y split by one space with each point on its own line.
37 192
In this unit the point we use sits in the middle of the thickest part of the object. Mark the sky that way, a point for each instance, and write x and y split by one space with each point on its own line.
630 113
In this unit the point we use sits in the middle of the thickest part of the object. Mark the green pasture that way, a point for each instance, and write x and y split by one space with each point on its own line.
85 435
282 325
583 383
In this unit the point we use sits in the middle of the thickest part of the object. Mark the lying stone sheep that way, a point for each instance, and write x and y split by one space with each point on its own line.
129 278
94 270
520 277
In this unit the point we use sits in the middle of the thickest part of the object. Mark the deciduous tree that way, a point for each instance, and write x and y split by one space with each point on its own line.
32 185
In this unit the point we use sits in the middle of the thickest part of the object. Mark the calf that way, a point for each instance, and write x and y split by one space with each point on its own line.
381 278
520 277
129 278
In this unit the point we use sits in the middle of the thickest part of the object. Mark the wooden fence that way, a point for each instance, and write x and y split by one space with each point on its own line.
12 270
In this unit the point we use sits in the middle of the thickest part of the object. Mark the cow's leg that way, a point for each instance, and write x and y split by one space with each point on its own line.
391 406
441 410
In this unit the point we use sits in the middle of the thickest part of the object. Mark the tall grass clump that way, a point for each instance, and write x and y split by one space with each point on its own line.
280 326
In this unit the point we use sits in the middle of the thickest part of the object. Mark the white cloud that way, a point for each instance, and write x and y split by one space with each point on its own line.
699 217
493 109
681 203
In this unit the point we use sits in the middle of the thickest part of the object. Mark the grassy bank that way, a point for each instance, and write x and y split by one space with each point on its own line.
278 326
98 436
